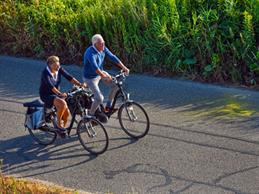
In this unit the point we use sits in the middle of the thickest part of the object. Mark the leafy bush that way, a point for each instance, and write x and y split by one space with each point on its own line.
215 40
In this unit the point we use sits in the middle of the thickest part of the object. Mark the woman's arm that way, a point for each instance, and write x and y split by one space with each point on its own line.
76 82
70 77
58 93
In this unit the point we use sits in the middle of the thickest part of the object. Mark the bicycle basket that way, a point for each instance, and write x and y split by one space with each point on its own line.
83 98
86 100
71 103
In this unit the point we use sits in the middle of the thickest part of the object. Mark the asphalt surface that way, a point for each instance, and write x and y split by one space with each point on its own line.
203 138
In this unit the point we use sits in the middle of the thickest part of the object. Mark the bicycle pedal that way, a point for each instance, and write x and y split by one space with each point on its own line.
62 135
44 128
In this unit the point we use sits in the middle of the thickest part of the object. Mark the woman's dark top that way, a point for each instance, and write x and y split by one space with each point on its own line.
48 82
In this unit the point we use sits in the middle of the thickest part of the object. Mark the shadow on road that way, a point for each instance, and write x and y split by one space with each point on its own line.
22 155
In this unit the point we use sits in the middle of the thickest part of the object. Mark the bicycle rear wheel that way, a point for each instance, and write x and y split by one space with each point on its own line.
43 135
92 135
134 119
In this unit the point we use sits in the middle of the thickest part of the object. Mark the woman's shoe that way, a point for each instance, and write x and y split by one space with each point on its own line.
61 131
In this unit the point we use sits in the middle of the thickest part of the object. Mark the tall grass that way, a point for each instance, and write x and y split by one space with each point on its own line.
211 40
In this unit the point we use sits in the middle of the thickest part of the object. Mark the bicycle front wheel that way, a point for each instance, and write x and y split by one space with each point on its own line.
134 119
92 135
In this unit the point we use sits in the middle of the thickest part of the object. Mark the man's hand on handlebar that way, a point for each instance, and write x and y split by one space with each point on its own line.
107 76
126 70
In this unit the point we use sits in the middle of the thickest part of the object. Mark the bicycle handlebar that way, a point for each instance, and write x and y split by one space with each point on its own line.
119 77
116 79
77 90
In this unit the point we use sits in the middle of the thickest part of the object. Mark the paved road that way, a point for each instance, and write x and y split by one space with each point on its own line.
203 138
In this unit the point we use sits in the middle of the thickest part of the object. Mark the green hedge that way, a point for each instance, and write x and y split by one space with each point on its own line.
211 40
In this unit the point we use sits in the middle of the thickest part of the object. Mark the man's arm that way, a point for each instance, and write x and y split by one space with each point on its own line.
115 59
124 68
104 74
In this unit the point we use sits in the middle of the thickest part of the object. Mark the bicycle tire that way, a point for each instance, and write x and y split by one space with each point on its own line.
132 113
43 136
91 133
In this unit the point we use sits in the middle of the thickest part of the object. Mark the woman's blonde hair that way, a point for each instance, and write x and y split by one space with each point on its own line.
52 59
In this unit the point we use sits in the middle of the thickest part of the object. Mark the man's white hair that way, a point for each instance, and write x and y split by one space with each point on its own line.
96 38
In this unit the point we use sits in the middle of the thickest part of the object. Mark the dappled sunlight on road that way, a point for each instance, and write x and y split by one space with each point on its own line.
224 108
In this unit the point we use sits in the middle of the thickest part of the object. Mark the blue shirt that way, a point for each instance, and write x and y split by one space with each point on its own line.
93 60
48 82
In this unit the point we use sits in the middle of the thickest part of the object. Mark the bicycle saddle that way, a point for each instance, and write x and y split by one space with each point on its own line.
35 103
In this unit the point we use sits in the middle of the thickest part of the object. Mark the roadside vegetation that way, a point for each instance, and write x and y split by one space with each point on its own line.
206 40
10 184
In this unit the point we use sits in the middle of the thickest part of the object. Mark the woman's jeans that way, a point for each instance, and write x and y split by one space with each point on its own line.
93 84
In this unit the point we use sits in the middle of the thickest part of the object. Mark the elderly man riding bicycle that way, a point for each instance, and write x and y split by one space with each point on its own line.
93 72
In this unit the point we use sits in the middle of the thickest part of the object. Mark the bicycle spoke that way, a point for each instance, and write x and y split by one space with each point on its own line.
92 136
134 120
43 136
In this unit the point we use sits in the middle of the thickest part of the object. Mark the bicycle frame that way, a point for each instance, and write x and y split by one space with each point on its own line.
134 111
120 94
73 114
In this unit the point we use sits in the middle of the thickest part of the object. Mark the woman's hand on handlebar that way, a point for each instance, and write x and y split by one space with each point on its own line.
62 95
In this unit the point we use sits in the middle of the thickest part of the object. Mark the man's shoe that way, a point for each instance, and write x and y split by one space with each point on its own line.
109 110
102 117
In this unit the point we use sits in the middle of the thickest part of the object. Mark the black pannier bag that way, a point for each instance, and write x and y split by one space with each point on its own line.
84 98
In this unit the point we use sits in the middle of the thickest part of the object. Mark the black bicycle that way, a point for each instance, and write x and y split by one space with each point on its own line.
91 132
132 116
